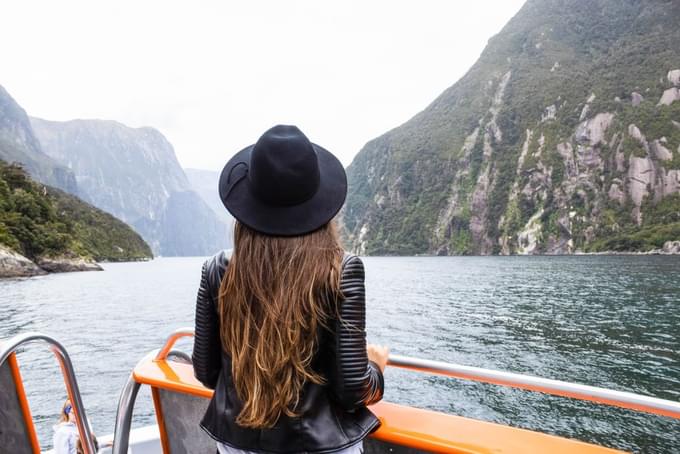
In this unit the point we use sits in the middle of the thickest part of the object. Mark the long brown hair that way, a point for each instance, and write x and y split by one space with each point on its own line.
276 294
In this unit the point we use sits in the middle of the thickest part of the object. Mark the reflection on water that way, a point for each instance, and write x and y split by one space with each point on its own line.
604 321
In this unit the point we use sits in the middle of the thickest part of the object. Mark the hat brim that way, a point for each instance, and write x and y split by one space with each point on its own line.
293 220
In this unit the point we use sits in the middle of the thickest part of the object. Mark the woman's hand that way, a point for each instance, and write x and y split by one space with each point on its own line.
378 354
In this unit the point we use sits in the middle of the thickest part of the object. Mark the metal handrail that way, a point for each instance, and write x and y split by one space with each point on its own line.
84 429
605 396
126 405
128 396
172 338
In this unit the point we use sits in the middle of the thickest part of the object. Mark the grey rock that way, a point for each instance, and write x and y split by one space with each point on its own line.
567 152
674 77
67 264
636 98
13 264
671 247
635 133
615 193
549 113
592 131
479 209
641 174
660 152
620 158
669 96
670 182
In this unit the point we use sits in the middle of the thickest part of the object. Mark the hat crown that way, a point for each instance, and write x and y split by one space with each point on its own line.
284 167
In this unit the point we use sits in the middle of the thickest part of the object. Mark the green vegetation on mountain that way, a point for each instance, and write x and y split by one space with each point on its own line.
39 221
662 223
564 136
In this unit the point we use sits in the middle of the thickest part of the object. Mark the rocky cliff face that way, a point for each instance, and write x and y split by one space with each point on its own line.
133 173
563 137
19 144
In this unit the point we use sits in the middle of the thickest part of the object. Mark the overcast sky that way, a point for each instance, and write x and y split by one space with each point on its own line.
212 76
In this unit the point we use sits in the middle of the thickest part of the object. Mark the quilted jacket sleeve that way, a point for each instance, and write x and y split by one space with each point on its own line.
355 381
206 355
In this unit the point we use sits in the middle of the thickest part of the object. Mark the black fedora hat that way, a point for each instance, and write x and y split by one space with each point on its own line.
283 185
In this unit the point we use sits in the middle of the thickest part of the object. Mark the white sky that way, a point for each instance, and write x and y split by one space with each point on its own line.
212 76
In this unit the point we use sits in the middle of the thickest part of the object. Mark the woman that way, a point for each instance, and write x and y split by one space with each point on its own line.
280 322
65 437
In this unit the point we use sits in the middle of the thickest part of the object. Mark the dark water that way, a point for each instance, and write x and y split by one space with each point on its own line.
604 321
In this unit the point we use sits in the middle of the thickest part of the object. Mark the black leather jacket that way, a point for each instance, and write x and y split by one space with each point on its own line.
334 415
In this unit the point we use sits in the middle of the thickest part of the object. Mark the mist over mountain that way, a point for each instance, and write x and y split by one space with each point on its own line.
133 173
563 137
205 183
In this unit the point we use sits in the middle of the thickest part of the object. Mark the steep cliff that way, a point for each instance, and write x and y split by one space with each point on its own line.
19 144
564 136
133 173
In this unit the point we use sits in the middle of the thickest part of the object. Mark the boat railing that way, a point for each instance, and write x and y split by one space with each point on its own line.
9 347
600 395
595 394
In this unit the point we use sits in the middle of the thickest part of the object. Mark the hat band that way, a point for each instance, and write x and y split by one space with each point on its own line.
235 177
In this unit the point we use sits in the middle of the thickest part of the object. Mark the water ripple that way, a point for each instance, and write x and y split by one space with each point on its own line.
603 321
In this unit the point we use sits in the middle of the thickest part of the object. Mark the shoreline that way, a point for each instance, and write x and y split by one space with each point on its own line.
670 248
14 265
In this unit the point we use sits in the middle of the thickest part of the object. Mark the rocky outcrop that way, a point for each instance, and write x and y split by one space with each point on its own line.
591 132
671 247
615 192
636 98
527 239
660 152
670 96
641 174
67 264
674 77
13 264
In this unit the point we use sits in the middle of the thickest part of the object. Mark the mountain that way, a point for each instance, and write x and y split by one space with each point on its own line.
133 173
563 137
205 183
19 144
57 231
